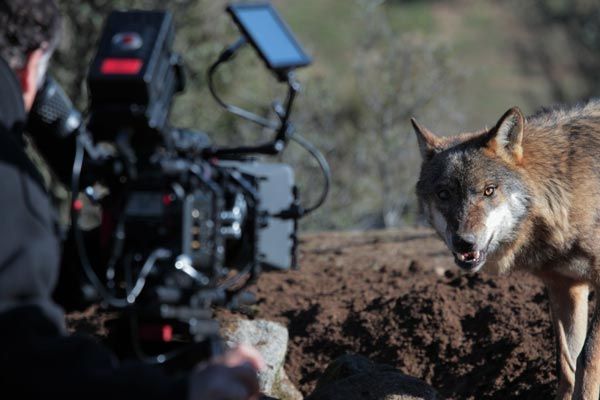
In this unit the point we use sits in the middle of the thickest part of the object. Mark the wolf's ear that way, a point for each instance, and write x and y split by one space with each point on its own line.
507 135
429 143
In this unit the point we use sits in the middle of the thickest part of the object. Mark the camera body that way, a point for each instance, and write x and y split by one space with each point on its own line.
134 76
191 234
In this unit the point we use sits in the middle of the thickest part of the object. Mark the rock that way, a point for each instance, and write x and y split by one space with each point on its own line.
284 389
271 340
343 367
354 377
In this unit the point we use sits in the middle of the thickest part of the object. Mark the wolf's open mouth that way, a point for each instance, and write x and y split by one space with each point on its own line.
470 261
469 257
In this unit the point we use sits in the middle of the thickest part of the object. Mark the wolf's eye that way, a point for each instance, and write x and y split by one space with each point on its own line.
443 194
489 191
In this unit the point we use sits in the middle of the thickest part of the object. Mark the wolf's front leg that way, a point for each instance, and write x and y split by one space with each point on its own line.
569 307
587 382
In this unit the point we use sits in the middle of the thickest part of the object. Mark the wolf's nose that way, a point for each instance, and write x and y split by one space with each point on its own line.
463 243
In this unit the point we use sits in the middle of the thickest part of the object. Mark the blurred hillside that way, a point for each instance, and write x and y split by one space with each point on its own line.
456 65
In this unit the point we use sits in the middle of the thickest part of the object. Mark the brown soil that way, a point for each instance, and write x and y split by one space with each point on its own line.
397 298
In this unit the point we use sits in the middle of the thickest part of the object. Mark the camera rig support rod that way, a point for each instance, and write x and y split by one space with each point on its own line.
283 127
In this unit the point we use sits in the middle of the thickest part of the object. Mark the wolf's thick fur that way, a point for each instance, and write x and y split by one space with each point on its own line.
526 195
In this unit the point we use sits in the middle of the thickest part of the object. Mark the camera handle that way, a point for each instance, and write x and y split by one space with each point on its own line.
207 344
283 128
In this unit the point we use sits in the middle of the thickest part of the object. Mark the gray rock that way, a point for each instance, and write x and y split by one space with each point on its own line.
354 377
284 389
271 340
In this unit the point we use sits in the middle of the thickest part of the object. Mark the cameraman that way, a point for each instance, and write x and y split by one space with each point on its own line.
37 358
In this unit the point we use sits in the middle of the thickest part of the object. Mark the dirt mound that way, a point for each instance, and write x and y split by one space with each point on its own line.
397 298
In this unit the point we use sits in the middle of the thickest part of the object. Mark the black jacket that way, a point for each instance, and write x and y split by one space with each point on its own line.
37 359
29 246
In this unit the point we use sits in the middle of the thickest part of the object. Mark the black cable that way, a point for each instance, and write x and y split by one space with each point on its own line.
79 241
323 165
240 112
148 266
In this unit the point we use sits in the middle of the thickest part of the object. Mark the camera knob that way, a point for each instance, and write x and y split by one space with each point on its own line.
231 220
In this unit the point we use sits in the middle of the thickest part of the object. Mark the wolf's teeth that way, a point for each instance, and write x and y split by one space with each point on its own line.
476 255
461 256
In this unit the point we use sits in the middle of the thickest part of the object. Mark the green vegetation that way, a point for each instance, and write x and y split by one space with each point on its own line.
455 65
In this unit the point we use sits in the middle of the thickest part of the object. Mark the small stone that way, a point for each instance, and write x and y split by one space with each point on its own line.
269 338
271 341
284 389
354 377
415 266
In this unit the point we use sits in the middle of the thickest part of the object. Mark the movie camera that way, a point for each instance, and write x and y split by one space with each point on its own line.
185 225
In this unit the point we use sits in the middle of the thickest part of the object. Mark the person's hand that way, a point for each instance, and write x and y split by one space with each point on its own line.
231 376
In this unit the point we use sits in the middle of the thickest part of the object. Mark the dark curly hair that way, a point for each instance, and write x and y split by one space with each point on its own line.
26 25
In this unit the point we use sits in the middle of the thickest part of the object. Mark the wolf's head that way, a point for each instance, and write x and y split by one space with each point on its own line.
471 188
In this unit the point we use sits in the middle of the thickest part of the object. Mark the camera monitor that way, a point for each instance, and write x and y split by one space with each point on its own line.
269 35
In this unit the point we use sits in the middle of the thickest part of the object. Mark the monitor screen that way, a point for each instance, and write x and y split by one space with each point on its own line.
263 27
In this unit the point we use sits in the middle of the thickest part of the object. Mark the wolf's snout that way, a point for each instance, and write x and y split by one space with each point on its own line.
467 254
463 243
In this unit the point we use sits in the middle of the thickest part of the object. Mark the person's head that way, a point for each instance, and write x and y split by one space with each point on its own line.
29 33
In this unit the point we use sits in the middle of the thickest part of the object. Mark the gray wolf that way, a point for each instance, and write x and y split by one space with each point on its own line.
525 195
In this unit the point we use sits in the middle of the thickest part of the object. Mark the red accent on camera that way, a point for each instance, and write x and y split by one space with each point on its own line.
78 205
168 199
121 66
167 333
156 333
